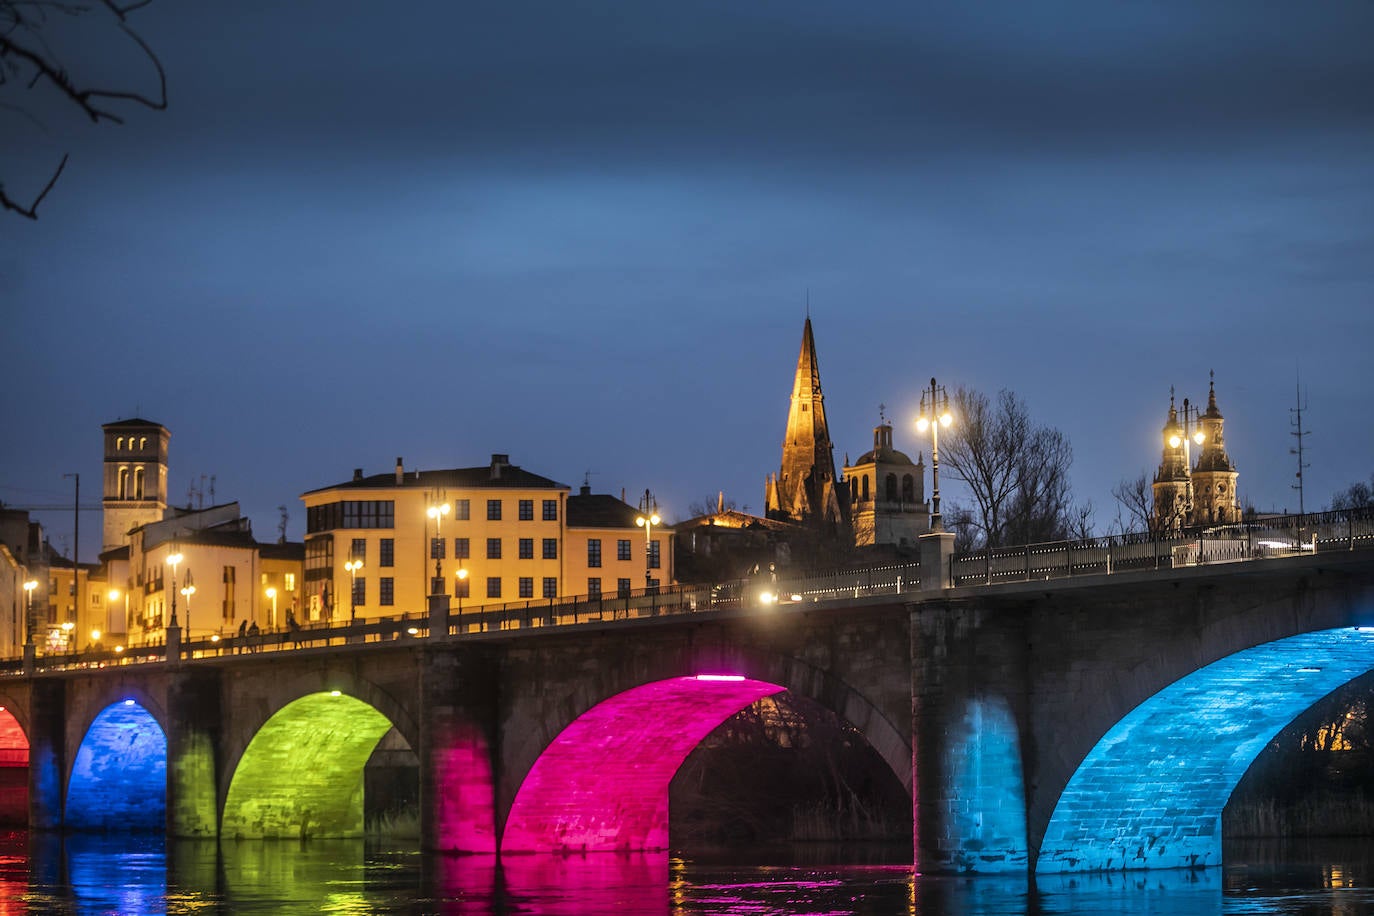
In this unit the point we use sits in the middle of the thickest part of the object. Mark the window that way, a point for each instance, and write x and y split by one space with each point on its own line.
890 488
594 588
493 510
462 509
353 513
386 592
461 550
493 548
436 548
460 588
865 491
386 552
123 483
359 549
550 587
908 489
493 586
526 587
289 581
622 588
653 554
551 548
550 510
359 591
526 510
138 483
594 553
527 548
622 549
227 610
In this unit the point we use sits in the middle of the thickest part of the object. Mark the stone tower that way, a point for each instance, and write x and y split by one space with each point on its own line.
1171 481
804 488
886 495
1214 477
135 485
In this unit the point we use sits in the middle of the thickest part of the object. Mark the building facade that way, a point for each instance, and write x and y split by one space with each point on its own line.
496 534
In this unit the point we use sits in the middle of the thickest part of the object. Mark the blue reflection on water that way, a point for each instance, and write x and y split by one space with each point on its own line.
47 873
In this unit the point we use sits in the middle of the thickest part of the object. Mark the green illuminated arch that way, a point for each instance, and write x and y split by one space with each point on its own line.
302 774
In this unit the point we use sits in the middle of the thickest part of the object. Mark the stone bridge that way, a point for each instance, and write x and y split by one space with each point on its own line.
1093 723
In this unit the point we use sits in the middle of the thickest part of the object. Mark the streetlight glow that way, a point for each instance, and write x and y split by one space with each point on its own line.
934 414
353 566
648 517
172 560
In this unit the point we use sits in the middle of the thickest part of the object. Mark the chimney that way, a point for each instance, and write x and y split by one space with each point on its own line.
498 464
357 473
585 491
400 471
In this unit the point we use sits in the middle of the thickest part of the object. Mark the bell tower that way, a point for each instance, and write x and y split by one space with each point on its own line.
1172 483
135 478
1214 478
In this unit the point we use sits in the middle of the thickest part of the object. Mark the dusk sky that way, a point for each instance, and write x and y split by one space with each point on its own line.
586 234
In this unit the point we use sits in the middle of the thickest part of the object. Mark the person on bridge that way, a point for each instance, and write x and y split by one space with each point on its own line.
252 636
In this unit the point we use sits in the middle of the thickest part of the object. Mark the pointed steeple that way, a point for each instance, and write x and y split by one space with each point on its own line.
804 489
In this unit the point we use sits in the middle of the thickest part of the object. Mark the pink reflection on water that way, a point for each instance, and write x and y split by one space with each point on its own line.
603 783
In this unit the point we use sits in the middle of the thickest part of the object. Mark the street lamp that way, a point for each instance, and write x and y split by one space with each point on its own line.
187 591
353 566
114 595
460 586
934 414
437 512
172 561
272 593
68 636
29 586
648 517
1182 437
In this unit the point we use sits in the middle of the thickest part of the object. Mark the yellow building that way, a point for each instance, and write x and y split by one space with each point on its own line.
486 535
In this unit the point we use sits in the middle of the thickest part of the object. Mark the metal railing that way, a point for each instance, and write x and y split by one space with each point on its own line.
1281 536
1292 535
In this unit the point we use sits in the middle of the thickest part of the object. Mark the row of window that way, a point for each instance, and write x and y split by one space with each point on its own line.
858 488
386 588
622 552
462 550
381 513
135 443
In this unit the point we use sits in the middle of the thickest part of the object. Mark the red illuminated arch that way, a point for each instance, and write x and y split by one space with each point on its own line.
14 770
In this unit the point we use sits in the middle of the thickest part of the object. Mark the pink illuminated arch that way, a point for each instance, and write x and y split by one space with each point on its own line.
603 783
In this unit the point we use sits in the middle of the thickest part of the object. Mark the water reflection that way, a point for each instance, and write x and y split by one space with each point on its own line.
47 873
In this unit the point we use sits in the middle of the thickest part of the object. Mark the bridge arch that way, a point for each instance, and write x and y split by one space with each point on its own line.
594 772
118 779
14 767
1150 793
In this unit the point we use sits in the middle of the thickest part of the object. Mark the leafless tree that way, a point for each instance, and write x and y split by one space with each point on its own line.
1135 504
32 60
1016 472
1358 495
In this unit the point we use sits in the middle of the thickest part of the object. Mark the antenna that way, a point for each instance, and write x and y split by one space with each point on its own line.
1299 434
281 525
587 478
212 489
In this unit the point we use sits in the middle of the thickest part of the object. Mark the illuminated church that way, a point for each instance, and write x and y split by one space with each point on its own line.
1188 494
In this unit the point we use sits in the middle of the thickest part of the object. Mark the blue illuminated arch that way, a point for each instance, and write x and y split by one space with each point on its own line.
1151 792
119 779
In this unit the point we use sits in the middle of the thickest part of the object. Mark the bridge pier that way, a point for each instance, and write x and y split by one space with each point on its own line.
457 729
47 752
968 696
193 741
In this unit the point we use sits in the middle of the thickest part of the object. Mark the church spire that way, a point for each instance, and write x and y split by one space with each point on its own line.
804 489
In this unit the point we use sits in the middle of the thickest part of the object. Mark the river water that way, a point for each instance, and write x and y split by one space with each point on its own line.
44 874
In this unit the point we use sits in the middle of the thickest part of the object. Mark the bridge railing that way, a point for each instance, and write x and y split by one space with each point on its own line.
1288 535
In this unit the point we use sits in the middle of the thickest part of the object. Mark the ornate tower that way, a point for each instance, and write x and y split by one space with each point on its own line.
804 488
1214 477
886 495
135 491
1171 480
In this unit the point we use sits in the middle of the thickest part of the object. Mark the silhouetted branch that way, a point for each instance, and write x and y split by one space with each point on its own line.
31 211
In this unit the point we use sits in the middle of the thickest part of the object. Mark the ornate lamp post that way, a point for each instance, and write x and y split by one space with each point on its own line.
172 560
934 414
29 586
437 511
648 517
353 566
186 592
462 576
272 593
1182 437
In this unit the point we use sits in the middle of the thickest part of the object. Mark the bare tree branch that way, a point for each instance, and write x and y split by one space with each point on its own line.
31 211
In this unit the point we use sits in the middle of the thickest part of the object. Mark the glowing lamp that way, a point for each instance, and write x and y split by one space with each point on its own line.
1199 437
922 424
461 574
767 597
214 637
128 702
114 594
1175 442
413 631
1307 669
336 693
946 418
119 649
720 677
95 635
